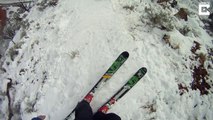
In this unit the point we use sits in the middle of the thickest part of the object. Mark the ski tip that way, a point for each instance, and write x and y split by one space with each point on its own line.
125 54
143 69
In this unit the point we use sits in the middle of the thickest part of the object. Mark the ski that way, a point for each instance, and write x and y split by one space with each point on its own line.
130 83
107 75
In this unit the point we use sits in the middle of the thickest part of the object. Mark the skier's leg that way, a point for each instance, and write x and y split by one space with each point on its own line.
99 116
112 116
83 111
102 116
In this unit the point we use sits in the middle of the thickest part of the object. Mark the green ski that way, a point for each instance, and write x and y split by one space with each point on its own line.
130 83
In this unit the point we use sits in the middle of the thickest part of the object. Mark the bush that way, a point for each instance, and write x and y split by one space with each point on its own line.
162 19
46 3
13 51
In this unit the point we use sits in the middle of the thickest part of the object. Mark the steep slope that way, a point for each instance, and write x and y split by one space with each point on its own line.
68 47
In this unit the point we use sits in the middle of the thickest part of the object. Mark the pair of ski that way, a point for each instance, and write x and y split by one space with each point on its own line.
108 74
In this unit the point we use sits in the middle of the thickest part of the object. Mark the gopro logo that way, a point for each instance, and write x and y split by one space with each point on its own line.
203 8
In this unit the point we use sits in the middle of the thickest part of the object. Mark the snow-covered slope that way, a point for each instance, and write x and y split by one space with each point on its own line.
68 47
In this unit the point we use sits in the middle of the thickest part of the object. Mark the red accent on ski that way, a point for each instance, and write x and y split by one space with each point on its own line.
112 101
104 109
88 97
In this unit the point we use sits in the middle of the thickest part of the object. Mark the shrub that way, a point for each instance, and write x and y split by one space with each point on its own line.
13 51
199 73
161 19
46 3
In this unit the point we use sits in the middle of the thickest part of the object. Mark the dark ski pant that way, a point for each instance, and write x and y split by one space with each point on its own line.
84 112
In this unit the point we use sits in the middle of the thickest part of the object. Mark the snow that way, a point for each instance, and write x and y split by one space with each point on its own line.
13 1
68 48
